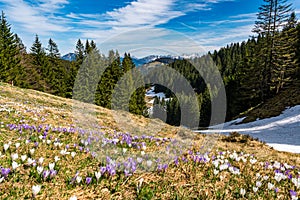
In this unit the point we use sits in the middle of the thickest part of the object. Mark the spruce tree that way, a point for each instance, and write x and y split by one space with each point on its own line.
53 51
271 19
79 52
285 54
10 67
41 64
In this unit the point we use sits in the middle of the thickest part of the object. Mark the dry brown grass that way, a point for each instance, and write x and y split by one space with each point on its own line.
185 181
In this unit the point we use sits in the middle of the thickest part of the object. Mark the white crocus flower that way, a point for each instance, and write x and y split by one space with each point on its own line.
14 156
78 179
270 186
296 182
56 158
40 169
277 165
258 184
6 146
73 198
51 166
17 145
15 165
73 154
32 151
23 158
36 189
148 163
30 161
216 172
41 160
242 191
255 189
97 175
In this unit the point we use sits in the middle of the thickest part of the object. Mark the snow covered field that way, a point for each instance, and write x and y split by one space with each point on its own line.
281 132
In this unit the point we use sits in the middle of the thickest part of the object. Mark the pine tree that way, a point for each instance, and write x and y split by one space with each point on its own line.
79 52
285 54
41 63
87 48
20 46
271 19
10 67
53 49
38 51
108 80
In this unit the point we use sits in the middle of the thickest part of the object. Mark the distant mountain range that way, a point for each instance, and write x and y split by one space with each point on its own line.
69 57
141 61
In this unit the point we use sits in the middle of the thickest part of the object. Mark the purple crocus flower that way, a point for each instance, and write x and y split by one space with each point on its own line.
102 170
126 172
36 144
74 178
293 193
111 170
5 172
46 173
176 161
53 173
67 146
88 180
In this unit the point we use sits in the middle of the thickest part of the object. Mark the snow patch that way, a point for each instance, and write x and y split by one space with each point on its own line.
281 132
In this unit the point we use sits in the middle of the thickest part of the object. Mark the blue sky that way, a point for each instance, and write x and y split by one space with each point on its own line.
140 27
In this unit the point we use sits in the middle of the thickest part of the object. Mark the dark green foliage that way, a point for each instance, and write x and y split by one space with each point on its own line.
10 68
53 49
79 52
129 93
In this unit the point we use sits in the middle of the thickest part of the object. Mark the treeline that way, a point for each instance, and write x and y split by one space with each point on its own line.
253 71
43 69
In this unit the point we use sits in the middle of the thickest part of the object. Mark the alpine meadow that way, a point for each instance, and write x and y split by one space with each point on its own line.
149 99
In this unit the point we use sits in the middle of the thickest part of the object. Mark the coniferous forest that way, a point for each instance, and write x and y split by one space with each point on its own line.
253 71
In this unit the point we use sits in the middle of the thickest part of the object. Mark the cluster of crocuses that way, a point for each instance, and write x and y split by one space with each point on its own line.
136 147
281 172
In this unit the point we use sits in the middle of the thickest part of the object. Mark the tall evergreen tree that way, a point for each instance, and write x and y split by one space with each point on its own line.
37 50
79 52
87 48
272 17
285 54
10 67
41 63
53 49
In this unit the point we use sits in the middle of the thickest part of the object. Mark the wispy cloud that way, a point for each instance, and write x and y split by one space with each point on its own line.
241 18
224 36
35 18
143 13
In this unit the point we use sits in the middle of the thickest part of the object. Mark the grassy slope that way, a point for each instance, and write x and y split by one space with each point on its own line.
273 107
188 179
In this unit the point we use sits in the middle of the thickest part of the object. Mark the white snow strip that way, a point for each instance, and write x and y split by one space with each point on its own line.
281 132
285 147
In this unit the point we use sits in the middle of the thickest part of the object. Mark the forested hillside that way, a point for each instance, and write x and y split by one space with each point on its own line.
41 68
253 71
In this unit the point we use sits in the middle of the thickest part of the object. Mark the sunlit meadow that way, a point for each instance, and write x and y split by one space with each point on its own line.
44 155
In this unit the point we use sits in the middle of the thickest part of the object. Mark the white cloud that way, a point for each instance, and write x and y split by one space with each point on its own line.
34 18
222 37
143 13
